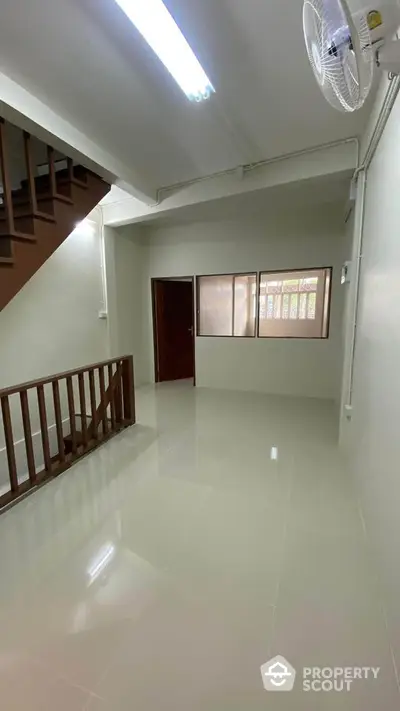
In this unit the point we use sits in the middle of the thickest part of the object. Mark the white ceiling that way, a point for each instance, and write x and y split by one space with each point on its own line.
87 62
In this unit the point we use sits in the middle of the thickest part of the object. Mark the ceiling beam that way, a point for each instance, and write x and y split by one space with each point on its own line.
337 158
22 108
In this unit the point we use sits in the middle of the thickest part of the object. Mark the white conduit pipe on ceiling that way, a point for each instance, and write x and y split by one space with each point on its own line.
360 176
241 170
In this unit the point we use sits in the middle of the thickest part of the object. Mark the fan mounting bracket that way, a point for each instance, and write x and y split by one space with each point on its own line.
388 57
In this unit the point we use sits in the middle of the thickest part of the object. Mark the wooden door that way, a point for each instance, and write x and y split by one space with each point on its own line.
174 329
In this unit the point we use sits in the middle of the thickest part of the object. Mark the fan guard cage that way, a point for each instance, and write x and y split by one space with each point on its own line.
339 49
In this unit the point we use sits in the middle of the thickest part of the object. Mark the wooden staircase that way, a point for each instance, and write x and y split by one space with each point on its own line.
39 215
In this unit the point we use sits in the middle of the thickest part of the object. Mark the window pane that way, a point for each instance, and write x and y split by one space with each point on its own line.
311 301
293 306
215 306
291 285
262 306
303 306
270 306
285 310
298 304
227 305
244 311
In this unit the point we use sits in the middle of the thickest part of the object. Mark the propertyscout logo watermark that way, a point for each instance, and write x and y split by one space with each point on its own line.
279 675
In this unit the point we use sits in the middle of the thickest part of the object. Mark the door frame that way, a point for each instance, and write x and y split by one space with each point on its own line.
153 281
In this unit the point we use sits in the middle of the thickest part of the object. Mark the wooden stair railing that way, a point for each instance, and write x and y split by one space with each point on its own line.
55 404
39 215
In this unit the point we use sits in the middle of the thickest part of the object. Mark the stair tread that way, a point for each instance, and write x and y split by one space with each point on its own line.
42 215
79 183
58 196
28 213
21 198
62 177
23 236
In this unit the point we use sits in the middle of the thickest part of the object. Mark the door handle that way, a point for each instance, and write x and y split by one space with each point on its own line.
191 330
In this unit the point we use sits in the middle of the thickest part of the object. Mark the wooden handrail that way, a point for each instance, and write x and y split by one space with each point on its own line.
60 376
115 410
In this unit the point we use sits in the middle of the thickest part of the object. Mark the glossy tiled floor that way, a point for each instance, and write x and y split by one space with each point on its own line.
163 570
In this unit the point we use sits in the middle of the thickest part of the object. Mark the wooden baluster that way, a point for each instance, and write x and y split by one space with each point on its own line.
94 425
81 178
128 389
102 399
7 192
118 395
8 433
52 171
30 172
112 401
26 421
82 405
44 428
71 409
70 168
59 425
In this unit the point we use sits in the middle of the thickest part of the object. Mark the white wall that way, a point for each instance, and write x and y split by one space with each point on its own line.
126 260
52 324
303 239
373 433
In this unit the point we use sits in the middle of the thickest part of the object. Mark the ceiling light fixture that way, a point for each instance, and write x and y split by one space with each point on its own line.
152 19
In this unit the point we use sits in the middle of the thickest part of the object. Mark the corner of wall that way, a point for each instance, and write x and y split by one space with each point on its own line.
126 266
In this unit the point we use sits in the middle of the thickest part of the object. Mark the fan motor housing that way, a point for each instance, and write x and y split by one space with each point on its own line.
383 21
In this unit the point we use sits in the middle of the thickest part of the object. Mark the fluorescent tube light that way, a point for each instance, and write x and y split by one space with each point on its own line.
161 32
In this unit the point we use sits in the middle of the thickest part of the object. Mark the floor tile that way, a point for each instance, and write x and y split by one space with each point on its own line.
328 614
322 494
25 685
164 569
186 654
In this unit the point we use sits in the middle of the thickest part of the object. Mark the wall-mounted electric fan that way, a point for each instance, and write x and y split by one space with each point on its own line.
344 43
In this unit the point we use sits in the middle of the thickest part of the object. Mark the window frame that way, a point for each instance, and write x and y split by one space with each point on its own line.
296 271
233 275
